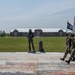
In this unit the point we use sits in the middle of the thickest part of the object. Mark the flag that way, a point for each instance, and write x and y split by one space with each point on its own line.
69 26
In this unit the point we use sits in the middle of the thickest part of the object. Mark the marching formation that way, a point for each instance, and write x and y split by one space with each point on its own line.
70 48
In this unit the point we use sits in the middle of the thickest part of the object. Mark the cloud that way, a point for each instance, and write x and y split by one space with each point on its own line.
40 10
41 13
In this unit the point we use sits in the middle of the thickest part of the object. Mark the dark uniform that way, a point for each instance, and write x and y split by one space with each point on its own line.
30 40
73 50
68 46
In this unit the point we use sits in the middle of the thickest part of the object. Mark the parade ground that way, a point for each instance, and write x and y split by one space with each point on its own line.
23 63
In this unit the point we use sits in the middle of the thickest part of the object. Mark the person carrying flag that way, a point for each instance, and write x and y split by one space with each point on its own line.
68 42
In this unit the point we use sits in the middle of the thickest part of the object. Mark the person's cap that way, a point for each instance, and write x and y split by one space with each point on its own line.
66 34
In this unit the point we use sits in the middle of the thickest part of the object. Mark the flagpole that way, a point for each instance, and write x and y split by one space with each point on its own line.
66 27
74 26
66 30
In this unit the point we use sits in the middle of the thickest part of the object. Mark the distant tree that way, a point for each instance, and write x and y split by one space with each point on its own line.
3 34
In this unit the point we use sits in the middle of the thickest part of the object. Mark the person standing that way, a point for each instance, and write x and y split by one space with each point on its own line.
30 37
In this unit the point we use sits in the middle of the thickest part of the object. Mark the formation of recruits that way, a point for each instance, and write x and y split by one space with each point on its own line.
70 48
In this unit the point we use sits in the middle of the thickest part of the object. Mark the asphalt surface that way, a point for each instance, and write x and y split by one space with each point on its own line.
23 63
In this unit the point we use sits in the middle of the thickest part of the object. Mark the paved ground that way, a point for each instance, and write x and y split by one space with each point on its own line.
22 63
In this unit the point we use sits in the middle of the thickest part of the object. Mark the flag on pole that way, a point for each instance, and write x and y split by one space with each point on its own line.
69 26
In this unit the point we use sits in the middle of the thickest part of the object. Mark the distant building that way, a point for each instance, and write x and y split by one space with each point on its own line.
38 32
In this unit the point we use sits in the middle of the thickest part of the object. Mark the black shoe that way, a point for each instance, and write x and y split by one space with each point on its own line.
34 51
68 62
42 52
62 59
73 59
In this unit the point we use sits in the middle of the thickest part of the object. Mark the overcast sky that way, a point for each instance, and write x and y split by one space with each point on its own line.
36 13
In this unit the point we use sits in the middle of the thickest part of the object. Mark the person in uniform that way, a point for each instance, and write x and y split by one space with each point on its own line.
68 46
30 41
73 50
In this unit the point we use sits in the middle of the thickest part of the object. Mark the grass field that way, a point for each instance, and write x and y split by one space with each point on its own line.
20 44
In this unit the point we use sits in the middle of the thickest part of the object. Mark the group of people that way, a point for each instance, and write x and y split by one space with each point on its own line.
70 48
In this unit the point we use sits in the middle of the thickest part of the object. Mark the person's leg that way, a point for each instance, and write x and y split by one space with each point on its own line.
73 59
72 56
29 46
65 55
33 46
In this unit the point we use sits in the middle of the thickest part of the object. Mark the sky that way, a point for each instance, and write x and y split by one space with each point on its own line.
36 14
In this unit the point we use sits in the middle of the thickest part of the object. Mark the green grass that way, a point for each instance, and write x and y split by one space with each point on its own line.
20 44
